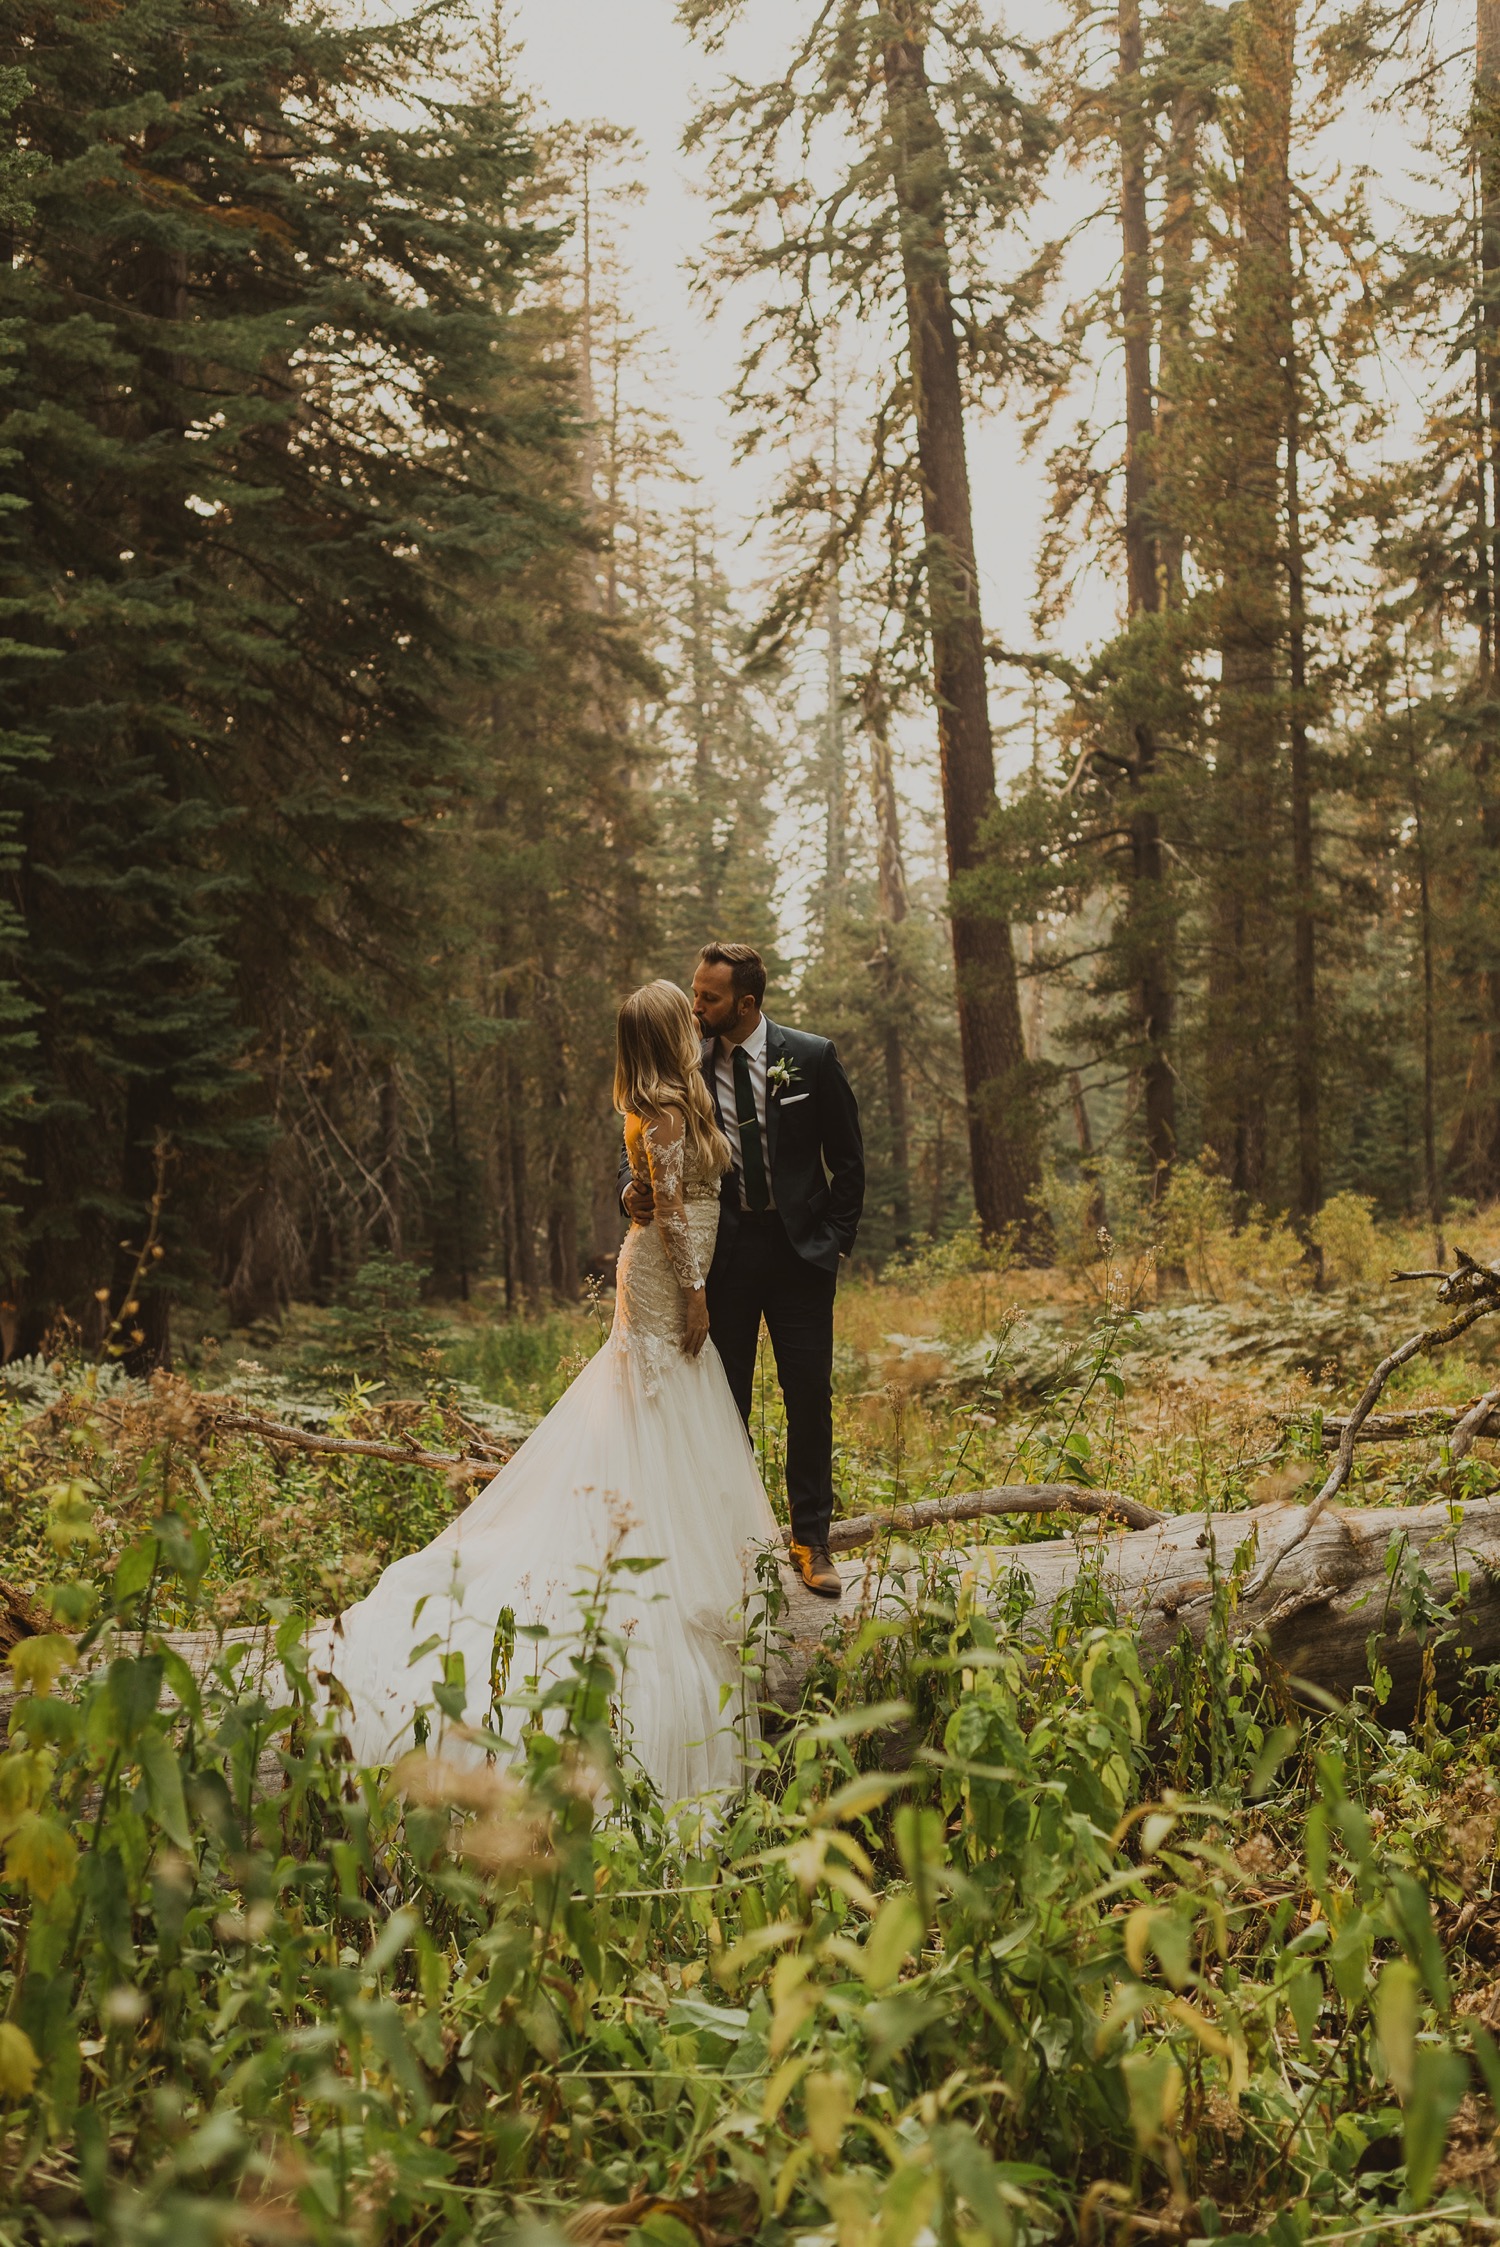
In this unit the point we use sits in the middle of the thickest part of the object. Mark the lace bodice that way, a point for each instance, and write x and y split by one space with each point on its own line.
663 1261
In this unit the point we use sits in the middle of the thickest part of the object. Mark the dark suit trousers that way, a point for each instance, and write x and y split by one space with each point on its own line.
759 1274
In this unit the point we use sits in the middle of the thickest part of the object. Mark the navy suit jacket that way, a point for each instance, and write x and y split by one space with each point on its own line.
815 1154
814 1151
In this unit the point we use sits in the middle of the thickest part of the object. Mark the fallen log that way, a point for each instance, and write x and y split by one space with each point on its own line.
207 1414
1329 1595
1475 1288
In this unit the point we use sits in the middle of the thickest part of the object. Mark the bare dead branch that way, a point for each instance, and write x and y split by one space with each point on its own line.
1477 1287
1405 1427
399 1454
975 1505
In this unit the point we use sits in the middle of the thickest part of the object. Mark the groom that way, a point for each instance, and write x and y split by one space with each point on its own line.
789 1210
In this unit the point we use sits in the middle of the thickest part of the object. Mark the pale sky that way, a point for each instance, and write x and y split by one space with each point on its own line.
628 62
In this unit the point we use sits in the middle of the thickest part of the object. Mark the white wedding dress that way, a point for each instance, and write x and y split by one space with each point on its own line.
645 1455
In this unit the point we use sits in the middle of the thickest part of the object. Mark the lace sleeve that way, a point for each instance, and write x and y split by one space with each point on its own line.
666 1150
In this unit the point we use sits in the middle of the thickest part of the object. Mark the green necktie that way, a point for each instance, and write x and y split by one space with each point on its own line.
757 1193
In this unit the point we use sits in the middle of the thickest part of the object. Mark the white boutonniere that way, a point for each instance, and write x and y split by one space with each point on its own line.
781 1075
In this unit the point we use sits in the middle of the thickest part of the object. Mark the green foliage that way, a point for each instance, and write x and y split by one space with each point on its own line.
1001 1933
1344 1230
379 1332
279 449
526 1363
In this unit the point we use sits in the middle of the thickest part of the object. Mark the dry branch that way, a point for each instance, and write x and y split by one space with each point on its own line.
1405 1427
1477 1288
1471 1426
976 1505
361 1447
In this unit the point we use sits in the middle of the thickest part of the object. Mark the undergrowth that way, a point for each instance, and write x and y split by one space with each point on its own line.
1004 1940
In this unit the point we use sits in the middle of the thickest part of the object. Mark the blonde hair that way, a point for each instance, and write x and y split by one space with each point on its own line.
658 1065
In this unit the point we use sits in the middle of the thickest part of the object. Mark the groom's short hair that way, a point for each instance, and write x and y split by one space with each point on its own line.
747 969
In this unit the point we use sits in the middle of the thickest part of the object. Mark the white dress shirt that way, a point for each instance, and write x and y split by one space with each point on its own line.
755 1054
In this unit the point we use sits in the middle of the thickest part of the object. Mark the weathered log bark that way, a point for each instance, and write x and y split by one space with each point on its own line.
1329 1595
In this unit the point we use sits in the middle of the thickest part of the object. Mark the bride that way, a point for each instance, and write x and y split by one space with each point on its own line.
645 1455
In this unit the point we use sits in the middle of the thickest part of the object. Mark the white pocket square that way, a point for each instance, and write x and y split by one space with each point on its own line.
790 1099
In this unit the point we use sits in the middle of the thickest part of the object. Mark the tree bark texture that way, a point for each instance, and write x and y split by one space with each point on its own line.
891 895
522 1281
1002 1139
1304 919
1175 358
1431 1175
1150 929
1241 1012
1474 1156
1142 584
1313 1619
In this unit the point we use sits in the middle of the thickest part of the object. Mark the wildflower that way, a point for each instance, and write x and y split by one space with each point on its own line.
18 2061
1257 1857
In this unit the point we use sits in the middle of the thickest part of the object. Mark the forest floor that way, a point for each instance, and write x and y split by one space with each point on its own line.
1006 1942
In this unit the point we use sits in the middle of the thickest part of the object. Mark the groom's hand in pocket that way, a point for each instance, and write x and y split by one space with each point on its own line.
695 1322
640 1202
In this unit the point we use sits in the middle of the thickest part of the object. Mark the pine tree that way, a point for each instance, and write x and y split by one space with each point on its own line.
933 151
277 422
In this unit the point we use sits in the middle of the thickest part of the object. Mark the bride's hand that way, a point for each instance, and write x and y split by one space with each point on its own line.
695 1322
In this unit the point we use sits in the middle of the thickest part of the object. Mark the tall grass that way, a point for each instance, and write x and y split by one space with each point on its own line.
1004 1941
526 1363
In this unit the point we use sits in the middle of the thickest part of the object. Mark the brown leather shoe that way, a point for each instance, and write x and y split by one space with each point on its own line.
814 1566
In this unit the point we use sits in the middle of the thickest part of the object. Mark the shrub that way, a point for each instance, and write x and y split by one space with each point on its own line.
1197 1213
1344 1230
378 1333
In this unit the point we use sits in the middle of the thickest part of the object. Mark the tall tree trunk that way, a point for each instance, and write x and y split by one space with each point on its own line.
833 620
1178 239
1150 930
833 824
1241 1024
1098 1209
562 1199
1003 1151
460 1198
1304 923
1475 1154
701 671
389 1227
1142 582
1416 799
521 1284
891 892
